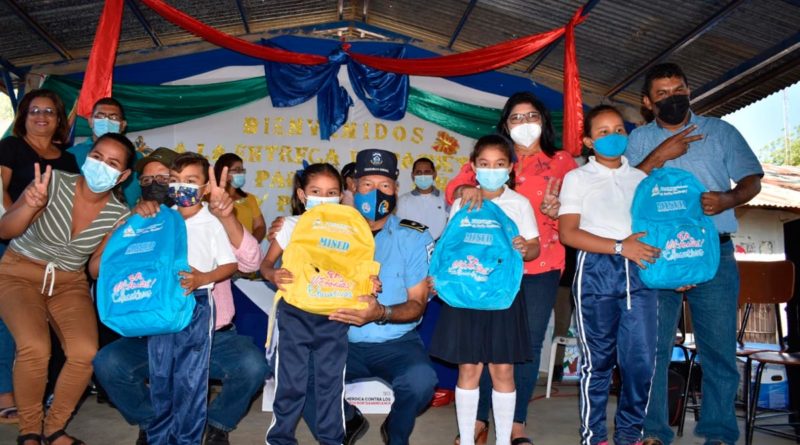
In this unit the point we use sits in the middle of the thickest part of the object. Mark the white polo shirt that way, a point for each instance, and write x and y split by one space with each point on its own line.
517 208
209 246
426 208
602 196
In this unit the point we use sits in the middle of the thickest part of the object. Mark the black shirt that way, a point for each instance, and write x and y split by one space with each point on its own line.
17 155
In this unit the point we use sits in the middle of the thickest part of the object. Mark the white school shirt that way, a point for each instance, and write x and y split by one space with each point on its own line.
602 196
285 234
209 246
426 208
517 208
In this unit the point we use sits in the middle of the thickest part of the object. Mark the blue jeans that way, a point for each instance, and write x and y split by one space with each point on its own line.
122 368
539 292
404 364
7 352
713 307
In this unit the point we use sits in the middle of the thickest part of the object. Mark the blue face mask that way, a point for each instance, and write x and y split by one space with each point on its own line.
611 146
491 179
313 201
374 205
99 176
423 182
103 126
237 180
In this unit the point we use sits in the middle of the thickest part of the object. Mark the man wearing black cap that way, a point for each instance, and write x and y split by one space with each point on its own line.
383 341
348 174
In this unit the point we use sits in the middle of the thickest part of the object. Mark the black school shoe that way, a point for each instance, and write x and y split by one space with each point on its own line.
142 439
355 428
215 436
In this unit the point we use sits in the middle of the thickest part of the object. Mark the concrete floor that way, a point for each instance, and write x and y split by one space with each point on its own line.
553 422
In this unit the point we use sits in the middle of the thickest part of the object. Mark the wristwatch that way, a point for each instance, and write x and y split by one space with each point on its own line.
618 248
387 315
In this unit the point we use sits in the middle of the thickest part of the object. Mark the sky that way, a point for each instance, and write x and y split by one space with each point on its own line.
762 122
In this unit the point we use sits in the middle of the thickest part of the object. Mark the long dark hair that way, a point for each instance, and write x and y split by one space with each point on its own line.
302 177
130 161
62 129
500 142
548 138
227 160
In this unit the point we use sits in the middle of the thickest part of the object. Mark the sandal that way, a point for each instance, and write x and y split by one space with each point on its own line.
9 414
26 437
481 437
60 433
521 441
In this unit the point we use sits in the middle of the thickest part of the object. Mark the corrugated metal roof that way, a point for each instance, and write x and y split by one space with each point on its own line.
616 40
780 188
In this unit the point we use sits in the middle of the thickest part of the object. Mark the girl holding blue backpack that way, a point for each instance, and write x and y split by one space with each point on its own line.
615 311
472 337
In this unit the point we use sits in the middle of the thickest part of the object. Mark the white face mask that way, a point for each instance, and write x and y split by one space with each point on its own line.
526 134
313 201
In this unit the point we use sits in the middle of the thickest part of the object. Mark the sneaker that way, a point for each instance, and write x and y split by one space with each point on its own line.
355 428
215 436
142 439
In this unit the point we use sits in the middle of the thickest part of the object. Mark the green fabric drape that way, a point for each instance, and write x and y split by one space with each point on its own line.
153 106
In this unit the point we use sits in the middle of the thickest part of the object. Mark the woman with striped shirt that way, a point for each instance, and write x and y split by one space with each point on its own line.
58 226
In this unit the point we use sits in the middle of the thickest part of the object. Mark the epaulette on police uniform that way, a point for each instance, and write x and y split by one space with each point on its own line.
413 225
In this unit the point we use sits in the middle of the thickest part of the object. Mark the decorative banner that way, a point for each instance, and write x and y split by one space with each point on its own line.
104 52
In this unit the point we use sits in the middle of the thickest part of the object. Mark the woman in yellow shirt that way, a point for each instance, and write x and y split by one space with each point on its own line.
245 204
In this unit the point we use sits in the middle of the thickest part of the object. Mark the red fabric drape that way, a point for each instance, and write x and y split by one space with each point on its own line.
573 103
97 83
219 38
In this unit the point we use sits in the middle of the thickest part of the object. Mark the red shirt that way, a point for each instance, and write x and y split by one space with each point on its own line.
531 175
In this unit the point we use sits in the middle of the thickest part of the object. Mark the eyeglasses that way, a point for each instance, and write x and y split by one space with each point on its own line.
47 112
239 170
114 117
531 116
144 181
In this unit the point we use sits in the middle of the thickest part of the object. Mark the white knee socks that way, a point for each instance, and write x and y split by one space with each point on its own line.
503 404
466 413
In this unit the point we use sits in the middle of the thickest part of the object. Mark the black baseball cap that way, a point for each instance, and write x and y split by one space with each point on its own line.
374 161
349 170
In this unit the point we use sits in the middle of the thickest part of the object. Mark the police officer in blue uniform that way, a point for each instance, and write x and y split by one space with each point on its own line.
383 340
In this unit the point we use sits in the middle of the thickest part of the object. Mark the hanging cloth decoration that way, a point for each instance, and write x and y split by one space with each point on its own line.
99 71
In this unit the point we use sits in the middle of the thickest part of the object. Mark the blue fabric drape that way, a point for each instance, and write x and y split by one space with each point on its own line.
385 94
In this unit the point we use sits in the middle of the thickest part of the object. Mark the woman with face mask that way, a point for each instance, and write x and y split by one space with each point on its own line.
58 228
538 172
245 204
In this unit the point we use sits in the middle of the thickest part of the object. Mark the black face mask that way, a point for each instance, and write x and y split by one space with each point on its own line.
156 192
673 109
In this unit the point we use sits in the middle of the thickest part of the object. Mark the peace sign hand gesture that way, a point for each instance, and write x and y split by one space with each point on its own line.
220 202
550 202
36 193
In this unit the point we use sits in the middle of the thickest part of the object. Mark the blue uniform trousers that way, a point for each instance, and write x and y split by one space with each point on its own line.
617 324
302 335
179 378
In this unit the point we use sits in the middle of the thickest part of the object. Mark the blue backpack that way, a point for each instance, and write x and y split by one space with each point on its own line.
474 265
667 206
138 290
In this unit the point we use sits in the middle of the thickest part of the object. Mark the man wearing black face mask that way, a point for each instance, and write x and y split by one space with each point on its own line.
716 154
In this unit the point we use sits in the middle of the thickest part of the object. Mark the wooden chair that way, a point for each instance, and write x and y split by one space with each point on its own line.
760 282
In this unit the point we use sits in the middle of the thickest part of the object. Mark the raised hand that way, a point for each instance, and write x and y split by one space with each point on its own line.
550 203
220 202
677 145
36 193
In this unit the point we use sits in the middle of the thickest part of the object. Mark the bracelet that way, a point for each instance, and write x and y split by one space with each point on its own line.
385 316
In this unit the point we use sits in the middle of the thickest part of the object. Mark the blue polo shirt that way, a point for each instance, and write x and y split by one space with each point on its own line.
720 157
130 187
404 254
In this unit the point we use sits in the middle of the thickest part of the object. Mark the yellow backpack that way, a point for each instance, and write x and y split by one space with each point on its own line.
330 255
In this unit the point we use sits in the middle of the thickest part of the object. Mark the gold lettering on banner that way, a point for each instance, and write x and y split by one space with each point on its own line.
277 126
399 133
277 181
180 148
250 125
284 201
348 131
312 156
263 199
366 131
266 125
270 149
380 131
441 182
461 160
313 126
239 150
286 154
199 149
254 152
300 154
262 176
219 150
332 157
407 160
296 127
417 135
353 154
444 163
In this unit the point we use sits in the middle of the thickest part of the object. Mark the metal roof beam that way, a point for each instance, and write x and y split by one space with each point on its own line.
10 67
677 46
148 28
461 22
9 83
546 52
365 11
243 14
41 32
753 65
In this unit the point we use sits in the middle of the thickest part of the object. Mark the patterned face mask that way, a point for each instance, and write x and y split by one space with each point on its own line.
185 195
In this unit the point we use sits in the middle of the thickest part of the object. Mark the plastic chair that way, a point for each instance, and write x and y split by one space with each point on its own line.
565 341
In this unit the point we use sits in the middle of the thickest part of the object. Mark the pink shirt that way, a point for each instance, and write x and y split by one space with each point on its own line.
248 255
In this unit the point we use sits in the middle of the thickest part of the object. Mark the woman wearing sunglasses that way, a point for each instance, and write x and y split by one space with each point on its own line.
538 171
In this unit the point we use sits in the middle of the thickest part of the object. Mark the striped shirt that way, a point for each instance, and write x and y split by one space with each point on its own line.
49 237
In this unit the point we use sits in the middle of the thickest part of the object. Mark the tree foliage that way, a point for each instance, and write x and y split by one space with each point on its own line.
775 151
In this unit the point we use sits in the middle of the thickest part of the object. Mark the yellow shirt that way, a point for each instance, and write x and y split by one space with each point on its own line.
247 211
